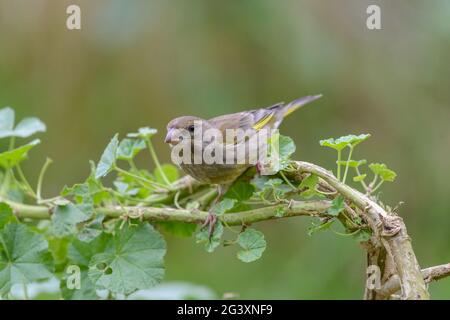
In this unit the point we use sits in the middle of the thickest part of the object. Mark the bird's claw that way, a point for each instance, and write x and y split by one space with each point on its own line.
210 222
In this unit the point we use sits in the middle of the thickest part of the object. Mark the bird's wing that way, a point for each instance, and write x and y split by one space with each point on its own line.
253 119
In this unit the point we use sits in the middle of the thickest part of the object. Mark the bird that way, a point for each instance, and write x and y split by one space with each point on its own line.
182 134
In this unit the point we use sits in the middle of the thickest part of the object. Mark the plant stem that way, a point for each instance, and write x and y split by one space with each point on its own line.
12 143
25 182
377 186
25 291
287 180
362 181
347 165
339 165
47 163
139 178
156 161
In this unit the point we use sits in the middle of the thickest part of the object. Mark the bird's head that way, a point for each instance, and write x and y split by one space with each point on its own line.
184 127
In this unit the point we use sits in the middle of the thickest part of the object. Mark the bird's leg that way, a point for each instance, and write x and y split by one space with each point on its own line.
259 167
211 219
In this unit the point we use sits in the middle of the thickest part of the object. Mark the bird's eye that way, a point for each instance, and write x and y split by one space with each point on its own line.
191 128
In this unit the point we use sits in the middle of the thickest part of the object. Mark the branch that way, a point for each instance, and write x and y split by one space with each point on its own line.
392 232
294 208
429 274
388 229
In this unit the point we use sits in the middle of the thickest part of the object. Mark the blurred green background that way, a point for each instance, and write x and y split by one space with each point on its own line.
142 63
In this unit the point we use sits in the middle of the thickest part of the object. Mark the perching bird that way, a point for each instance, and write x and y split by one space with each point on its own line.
182 130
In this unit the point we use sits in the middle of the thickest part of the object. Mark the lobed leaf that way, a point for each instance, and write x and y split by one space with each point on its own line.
129 148
133 260
383 171
27 127
10 159
337 206
211 243
253 245
24 257
108 159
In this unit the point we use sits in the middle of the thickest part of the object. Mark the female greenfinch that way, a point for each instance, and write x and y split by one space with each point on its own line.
192 135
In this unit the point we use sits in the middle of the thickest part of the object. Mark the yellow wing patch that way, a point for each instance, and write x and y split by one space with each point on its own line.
291 109
262 122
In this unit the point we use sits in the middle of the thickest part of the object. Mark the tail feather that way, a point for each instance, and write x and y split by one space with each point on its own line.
297 104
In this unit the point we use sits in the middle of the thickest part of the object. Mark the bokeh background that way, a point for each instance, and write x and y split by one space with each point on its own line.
142 63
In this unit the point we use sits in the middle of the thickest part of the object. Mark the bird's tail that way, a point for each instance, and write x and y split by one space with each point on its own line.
297 104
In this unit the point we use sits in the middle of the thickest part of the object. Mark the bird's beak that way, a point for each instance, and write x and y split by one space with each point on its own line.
170 137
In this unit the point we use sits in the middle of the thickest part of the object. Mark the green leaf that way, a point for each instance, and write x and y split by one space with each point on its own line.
253 245
259 182
337 205
179 229
66 218
87 289
362 236
24 257
133 260
58 249
308 194
383 171
92 230
352 163
108 159
29 126
342 142
287 147
9 159
169 170
144 133
360 178
7 117
24 129
310 182
6 215
334 144
129 148
224 206
80 254
240 190
320 227
210 243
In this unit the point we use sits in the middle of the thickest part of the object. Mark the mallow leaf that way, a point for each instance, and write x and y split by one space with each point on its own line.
6 215
342 142
132 260
108 159
352 163
65 219
383 171
9 159
144 133
24 257
337 205
253 245
27 127
7 117
129 148
360 178
80 254
224 206
170 171
210 243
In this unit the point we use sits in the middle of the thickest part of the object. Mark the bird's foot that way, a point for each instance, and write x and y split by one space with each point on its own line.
259 167
210 222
